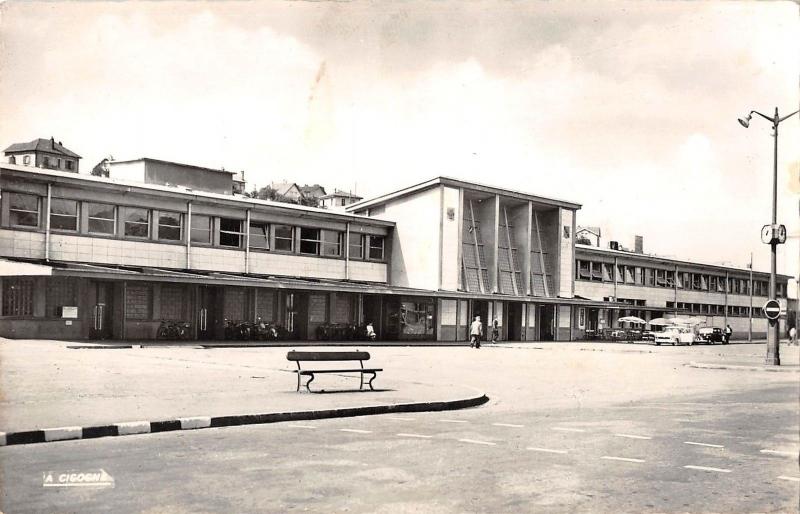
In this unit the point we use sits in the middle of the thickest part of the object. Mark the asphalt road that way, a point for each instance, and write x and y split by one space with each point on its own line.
741 448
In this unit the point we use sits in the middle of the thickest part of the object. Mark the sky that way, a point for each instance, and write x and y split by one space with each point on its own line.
627 108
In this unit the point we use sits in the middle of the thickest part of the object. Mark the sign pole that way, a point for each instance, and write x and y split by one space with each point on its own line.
773 326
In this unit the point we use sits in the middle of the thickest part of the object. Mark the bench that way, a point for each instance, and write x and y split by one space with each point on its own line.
333 356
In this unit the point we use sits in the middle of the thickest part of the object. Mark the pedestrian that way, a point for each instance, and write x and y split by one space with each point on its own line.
728 332
495 331
370 332
475 333
792 335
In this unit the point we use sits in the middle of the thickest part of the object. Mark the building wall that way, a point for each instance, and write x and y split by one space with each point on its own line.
26 244
451 267
128 171
566 263
194 178
415 243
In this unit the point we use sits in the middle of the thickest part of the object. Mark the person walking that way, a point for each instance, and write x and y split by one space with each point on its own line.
728 332
792 336
475 333
495 331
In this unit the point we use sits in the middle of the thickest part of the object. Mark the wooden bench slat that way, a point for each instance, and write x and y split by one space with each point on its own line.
327 356
355 370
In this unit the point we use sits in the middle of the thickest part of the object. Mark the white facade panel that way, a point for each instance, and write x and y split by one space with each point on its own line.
566 262
415 244
451 214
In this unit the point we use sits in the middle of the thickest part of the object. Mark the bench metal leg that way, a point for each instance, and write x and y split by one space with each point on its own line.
374 374
310 379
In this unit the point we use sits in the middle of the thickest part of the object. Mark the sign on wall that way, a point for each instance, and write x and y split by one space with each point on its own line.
582 317
70 312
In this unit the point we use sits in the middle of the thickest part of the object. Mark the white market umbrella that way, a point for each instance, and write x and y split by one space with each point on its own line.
660 322
680 321
631 319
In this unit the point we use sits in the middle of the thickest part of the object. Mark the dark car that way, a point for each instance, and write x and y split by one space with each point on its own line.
712 335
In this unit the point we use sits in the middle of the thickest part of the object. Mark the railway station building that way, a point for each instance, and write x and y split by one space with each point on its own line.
115 254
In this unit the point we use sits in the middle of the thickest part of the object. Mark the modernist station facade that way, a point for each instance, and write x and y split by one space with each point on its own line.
112 255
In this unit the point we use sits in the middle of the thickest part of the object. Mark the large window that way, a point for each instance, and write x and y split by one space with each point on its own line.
230 232
284 238
259 236
138 298
18 297
169 226
332 243
661 278
608 272
597 272
61 291
63 214
102 218
309 240
356 246
137 222
584 271
376 250
201 229
23 210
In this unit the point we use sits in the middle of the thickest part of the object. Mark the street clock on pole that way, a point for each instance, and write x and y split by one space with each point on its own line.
773 234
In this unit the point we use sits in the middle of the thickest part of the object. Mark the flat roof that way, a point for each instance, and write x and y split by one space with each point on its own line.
454 182
183 165
652 257
184 192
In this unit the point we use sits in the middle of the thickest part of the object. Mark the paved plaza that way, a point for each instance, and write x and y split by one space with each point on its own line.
586 427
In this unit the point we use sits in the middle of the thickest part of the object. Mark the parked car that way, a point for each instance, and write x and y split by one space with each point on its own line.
675 335
712 335
647 335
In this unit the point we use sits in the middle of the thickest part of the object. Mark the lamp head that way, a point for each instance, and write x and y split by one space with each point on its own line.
745 122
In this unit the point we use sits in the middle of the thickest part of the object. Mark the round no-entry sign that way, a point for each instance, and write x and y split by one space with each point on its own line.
772 309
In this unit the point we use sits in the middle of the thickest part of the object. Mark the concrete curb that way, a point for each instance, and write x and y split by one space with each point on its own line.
199 422
774 369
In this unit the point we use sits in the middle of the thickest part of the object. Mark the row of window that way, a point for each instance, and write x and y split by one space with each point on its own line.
670 279
160 225
46 162
715 310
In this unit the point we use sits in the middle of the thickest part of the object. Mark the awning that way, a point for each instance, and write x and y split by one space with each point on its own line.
16 269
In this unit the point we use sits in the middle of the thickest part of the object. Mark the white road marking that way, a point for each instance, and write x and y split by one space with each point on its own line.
704 444
704 468
791 479
401 419
453 421
631 436
567 429
355 430
473 441
682 420
301 426
402 434
546 450
508 425
623 459
779 452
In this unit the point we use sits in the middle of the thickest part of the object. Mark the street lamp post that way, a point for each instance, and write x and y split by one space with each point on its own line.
773 328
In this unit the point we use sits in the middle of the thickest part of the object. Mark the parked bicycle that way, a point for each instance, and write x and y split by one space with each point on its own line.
174 330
